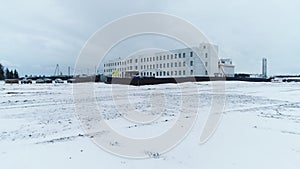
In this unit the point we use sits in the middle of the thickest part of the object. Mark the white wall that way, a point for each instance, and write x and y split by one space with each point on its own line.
173 63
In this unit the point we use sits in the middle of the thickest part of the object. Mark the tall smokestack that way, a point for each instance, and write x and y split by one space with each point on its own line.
69 70
264 67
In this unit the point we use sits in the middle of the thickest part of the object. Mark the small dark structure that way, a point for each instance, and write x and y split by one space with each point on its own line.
242 75
12 81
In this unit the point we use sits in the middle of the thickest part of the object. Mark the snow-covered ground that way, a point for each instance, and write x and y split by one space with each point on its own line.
260 127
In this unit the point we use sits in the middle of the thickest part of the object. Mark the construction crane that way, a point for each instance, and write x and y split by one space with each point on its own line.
57 72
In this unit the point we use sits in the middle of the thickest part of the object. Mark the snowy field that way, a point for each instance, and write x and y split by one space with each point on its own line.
260 127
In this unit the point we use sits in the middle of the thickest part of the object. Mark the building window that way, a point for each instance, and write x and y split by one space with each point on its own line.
171 73
179 72
206 73
142 67
156 57
175 56
164 73
206 64
171 64
183 64
192 72
183 55
168 65
160 57
164 57
164 65
168 57
183 72
204 47
160 65
175 73
144 59
136 60
191 54
160 73
179 64
175 64
206 55
168 74
171 56
153 58
156 66
150 59
136 67
191 63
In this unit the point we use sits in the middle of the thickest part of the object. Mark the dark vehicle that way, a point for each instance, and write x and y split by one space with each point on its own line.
71 80
26 81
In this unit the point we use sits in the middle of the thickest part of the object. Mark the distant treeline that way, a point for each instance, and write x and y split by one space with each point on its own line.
8 74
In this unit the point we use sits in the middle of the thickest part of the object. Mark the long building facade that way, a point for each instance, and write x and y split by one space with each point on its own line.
196 61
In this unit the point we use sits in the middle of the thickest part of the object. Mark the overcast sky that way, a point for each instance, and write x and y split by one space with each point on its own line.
35 35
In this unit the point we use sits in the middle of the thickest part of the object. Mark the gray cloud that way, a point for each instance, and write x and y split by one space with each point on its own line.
51 31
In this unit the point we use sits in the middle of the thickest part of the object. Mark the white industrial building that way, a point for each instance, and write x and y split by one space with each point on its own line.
196 61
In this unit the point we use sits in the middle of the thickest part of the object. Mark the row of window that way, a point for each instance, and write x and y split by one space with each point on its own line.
165 65
149 59
157 66
165 57
166 73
